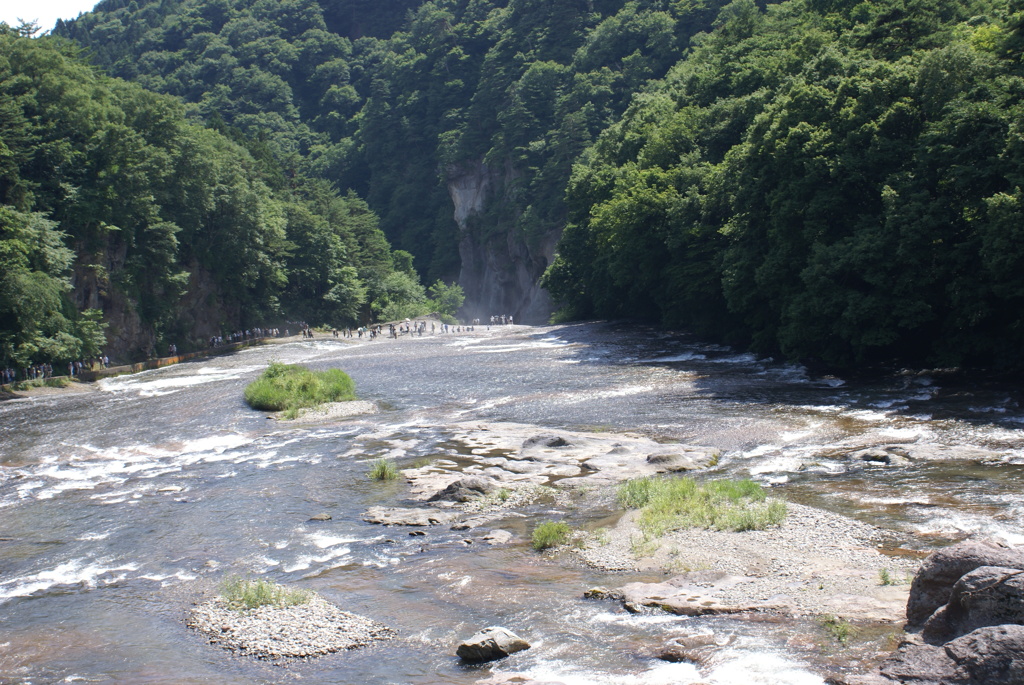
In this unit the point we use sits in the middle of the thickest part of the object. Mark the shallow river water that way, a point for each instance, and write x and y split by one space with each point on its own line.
119 507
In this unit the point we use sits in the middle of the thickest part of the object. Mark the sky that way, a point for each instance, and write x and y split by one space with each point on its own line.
43 12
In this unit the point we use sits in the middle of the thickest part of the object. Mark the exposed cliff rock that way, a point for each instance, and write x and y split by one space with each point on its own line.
201 311
128 339
500 266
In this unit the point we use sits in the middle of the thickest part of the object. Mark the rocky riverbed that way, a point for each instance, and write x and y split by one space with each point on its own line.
814 563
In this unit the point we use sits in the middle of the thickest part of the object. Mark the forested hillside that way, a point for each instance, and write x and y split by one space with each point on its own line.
836 180
471 108
116 211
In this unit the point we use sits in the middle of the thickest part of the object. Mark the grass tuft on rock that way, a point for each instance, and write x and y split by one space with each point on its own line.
246 593
672 503
550 534
383 469
289 387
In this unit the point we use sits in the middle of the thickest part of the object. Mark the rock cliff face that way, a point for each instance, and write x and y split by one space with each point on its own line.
500 267
201 312
128 339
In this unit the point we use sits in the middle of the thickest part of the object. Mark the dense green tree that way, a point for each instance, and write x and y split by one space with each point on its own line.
37 322
111 198
826 181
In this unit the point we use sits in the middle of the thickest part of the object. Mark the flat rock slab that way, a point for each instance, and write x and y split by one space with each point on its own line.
813 563
273 632
498 537
476 521
677 596
397 516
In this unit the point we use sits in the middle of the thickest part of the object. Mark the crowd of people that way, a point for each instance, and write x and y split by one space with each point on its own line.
243 336
34 372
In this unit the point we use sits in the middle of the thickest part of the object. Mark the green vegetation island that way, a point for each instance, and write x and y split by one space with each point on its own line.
829 181
289 388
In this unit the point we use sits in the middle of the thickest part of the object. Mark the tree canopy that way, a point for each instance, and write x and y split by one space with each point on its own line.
113 200
837 180
825 180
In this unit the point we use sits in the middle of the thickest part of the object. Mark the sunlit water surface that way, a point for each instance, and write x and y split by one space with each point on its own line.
118 507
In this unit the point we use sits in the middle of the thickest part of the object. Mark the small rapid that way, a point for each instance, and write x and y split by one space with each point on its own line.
120 505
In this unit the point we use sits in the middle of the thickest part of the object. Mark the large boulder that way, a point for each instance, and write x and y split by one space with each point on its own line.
465 489
993 655
987 596
490 644
920 664
934 583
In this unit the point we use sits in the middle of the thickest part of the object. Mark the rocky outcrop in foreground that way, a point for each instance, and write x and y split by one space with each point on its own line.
314 628
968 600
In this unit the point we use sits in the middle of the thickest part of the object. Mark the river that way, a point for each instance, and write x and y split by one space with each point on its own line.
117 506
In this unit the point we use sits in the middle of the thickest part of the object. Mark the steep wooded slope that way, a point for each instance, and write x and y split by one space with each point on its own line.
459 128
116 209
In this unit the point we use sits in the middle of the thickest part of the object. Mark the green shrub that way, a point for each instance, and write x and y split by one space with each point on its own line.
246 593
550 534
671 503
290 387
383 469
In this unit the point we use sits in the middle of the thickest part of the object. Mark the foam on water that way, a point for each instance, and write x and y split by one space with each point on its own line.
88 574
759 668
734 359
304 561
147 386
533 345
685 357
669 620
659 673
957 523
905 433
324 541
88 467
868 416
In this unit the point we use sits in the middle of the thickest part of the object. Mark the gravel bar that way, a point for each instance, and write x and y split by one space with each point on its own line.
312 629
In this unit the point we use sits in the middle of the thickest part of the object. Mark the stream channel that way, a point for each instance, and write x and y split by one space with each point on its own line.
120 506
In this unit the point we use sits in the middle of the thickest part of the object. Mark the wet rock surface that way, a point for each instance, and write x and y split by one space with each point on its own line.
514 456
490 644
312 629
